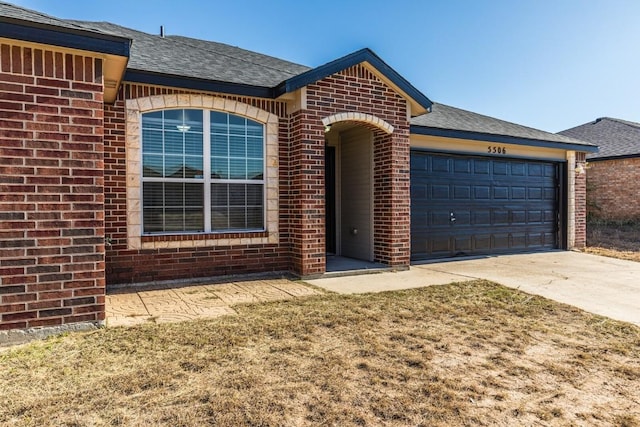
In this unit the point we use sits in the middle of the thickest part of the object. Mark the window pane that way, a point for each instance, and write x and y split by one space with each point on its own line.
219 122
153 194
153 220
174 194
254 128
174 167
152 120
255 218
172 119
237 146
151 141
193 167
193 143
173 142
237 169
193 119
254 147
219 194
174 219
237 196
254 169
219 168
237 125
151 166
254 195
237 218
193 196
193 220
219 218
219 145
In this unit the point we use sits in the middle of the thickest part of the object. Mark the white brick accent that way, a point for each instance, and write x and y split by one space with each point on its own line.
352 116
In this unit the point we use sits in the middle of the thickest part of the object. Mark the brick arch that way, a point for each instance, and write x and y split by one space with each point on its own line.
162 102
361 118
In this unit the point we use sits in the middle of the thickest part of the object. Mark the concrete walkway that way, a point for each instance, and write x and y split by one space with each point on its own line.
196 302
601 285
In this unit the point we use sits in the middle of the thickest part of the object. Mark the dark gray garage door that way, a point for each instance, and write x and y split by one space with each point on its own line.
463 205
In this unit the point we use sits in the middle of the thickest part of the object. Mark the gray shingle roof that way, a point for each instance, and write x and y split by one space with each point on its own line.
615 137
450 118
12 12
187 57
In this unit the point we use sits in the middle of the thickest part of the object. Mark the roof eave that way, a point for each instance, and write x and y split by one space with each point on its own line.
160 79
64 37
420 103
620 157
504 139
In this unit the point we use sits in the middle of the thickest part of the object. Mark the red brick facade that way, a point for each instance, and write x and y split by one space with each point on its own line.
126 265
613 187
301 244
51 188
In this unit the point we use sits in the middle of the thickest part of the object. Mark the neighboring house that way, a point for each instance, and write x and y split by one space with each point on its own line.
133 158
613 181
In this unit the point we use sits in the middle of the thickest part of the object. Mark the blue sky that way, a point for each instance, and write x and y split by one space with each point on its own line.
548 64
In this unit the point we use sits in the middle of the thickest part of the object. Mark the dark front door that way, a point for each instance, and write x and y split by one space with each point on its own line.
467 205
330 198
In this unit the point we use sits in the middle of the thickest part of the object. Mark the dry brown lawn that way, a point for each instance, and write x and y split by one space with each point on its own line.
474 353
616 240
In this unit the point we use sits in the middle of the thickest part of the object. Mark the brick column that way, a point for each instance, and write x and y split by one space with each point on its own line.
580 201
306 190
51 188
392 207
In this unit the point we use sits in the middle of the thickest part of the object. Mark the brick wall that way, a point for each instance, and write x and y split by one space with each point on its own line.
128 265
301 245
613 189
51 188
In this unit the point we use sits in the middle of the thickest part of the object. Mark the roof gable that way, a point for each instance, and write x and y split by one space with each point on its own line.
419 102
616 138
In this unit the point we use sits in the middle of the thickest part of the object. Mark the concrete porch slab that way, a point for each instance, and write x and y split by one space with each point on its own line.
196 302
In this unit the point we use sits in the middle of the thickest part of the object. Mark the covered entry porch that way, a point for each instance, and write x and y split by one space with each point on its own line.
355 188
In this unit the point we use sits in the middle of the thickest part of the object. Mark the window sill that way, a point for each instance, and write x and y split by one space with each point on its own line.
203 236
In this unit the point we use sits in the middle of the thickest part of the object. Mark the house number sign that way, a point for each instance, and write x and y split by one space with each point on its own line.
495 149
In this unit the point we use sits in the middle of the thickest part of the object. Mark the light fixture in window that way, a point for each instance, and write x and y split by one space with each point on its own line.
183 128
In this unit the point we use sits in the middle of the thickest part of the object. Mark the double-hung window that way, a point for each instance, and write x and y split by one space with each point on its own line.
202 171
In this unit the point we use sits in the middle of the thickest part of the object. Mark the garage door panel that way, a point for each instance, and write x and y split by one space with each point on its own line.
482 242
499 205
462 244
518 169
482 192
440 192
462 192
462 166
481 217
440 164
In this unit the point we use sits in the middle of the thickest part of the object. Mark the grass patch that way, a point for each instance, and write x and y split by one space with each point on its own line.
614 239
474 353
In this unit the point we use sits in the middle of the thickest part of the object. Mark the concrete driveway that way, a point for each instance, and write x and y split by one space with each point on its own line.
601 285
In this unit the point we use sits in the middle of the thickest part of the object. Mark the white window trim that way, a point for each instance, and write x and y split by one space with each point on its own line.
135 108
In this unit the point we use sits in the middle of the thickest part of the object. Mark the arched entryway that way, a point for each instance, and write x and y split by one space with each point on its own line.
350 191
